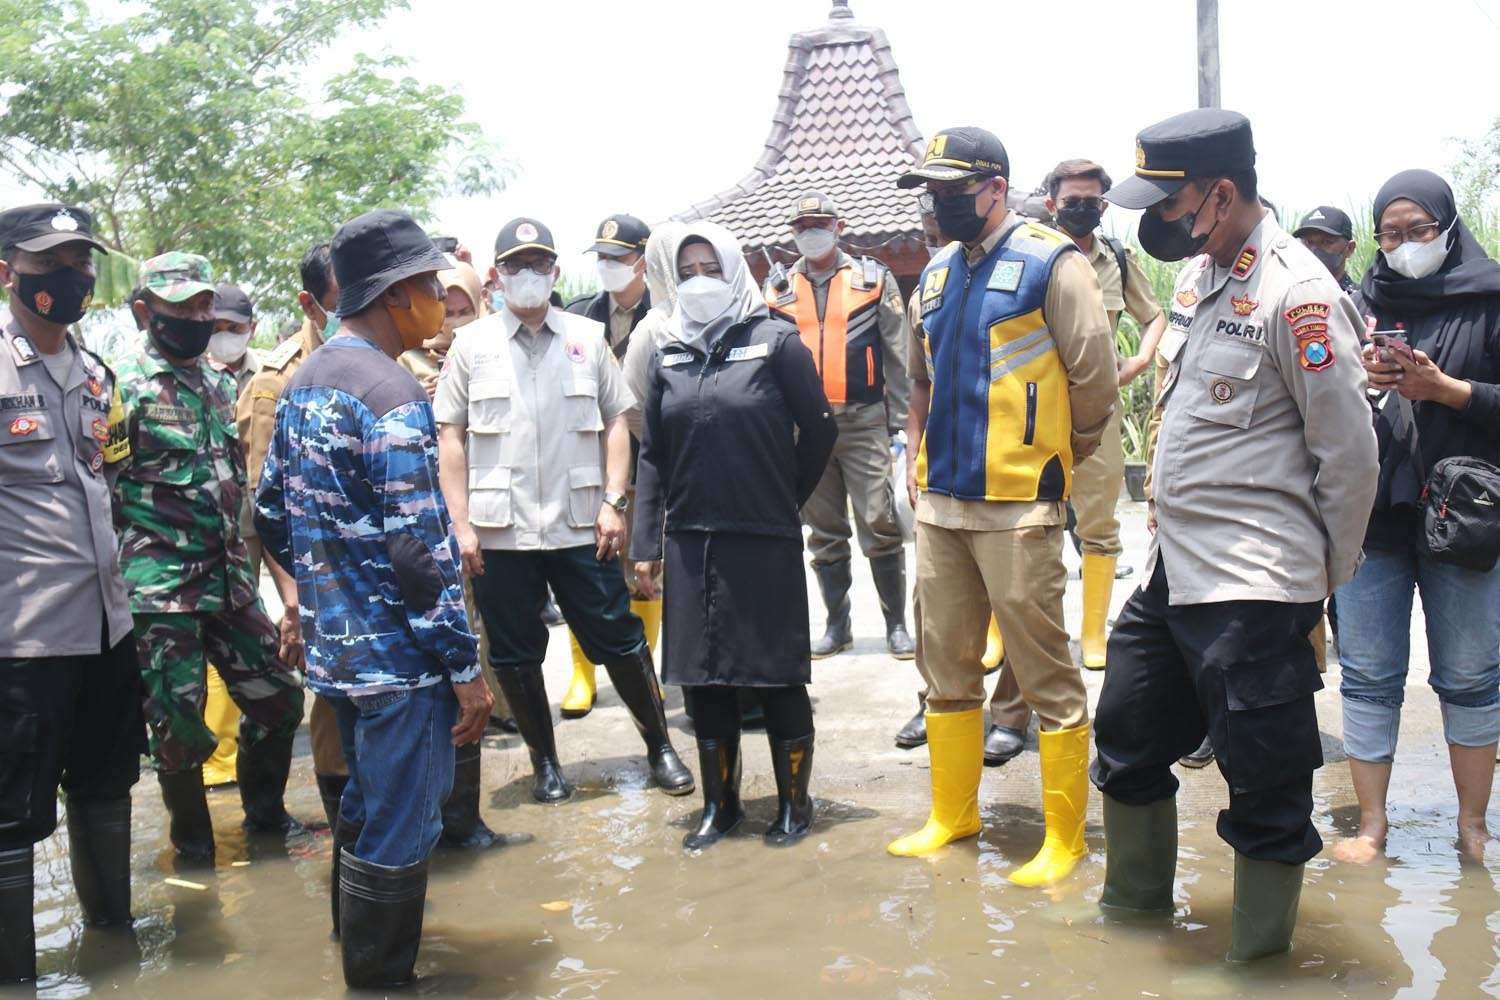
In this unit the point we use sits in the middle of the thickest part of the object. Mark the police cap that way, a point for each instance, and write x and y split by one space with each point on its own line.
620 235
39 227
956 153
1207 142
1327 219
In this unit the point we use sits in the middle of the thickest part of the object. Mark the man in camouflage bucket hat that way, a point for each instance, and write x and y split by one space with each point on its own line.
186 566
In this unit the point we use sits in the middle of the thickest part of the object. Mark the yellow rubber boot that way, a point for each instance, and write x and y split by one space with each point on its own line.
1065 800
579 701
221 715
649 612
955 741
994 647
1098 583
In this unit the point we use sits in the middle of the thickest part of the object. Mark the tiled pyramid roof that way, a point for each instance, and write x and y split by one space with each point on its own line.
842 127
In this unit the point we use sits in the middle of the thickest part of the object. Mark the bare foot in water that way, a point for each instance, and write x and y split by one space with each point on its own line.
1473 838
1362 848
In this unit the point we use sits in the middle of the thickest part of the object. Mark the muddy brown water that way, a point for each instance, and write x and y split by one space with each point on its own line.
597 898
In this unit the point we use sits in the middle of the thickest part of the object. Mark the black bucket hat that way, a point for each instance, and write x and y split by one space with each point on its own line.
372 252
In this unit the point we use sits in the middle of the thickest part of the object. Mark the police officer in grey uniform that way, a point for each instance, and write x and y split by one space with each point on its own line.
851 316
70 689
1264 475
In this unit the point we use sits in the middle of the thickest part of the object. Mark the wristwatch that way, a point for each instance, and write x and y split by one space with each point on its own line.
619 501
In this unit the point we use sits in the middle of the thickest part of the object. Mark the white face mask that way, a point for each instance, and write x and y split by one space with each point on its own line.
527 290
704 298
226 347
614 276
814 243
933 249
1418 260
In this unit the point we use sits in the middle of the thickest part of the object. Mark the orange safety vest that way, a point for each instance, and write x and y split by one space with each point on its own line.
846 344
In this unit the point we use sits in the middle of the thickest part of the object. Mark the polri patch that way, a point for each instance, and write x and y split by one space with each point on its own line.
1006 277
748 353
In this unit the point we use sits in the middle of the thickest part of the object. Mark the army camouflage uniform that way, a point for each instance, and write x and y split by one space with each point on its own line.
186 566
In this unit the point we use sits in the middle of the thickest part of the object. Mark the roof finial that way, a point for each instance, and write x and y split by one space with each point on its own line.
841 11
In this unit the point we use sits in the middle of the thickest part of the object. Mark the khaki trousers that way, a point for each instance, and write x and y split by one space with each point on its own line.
964 576
858 474
1096 492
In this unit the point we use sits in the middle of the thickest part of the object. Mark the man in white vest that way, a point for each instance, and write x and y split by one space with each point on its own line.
528 400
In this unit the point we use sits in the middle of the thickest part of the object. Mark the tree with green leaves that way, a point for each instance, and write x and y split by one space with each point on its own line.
183 125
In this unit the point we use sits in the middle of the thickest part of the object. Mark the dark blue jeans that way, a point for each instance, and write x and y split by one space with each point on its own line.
399 749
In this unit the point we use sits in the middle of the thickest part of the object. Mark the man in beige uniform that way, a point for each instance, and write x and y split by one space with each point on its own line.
1265 475
1014 381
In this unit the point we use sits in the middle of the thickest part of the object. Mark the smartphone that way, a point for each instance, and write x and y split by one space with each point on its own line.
1391 342
445 244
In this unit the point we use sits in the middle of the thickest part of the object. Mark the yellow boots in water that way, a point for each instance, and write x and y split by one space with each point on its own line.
955 742
1065 800
583 688
222 716
994 648
1098 583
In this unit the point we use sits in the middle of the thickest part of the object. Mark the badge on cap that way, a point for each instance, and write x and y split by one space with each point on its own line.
807 205
526 232
1317 215
607 232
22 426
1243 305
64 222
1140 154
937 147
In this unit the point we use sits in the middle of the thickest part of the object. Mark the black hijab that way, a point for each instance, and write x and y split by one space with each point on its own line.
1468 270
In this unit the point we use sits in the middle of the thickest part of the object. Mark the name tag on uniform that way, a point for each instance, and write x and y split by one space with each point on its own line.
1006 277
23 401
748 353
162 413
673 360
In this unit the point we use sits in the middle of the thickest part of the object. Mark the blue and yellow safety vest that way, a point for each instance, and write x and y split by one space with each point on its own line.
1000 425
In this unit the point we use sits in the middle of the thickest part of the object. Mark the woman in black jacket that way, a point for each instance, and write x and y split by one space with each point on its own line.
736 434
1434 295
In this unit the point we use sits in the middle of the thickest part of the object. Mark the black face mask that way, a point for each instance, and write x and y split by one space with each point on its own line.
1331 259
958 216
1170 241
181 338
59 296
1079 218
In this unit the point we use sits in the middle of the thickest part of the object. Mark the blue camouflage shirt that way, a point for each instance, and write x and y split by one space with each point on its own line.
349 504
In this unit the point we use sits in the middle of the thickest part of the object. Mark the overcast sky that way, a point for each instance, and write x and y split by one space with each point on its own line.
648 106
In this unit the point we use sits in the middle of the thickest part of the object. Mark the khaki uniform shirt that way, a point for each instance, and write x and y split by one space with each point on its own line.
894 335
1132 294
255 411
1079 328
621 322
1266 466
534 404
61 582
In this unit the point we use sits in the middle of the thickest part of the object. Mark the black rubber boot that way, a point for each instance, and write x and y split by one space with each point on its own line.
17 935
527 693
1002 745
792 762
1266 894
99 852
331 791
381 921
719 767
263 768
1201 757
889 573
1140 857
834 580
191 830
914 733
344 836
463 827
634 679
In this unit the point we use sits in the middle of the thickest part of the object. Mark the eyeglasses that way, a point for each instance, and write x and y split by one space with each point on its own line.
1390 239
543 266
925 203
1081 203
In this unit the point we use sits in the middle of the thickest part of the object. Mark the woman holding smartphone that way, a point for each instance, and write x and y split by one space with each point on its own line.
1434 295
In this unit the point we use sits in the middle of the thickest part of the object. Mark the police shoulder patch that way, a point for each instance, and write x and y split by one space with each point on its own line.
1315 353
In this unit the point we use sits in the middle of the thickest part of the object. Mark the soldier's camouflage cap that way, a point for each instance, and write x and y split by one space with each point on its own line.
176 276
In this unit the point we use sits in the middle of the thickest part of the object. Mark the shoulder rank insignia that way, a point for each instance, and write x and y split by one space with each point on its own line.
1243 305
1245 262
20 346
285 351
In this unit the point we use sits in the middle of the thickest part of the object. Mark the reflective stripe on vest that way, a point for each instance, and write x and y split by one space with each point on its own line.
849 315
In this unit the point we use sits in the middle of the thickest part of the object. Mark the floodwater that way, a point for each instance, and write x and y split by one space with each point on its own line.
596 898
